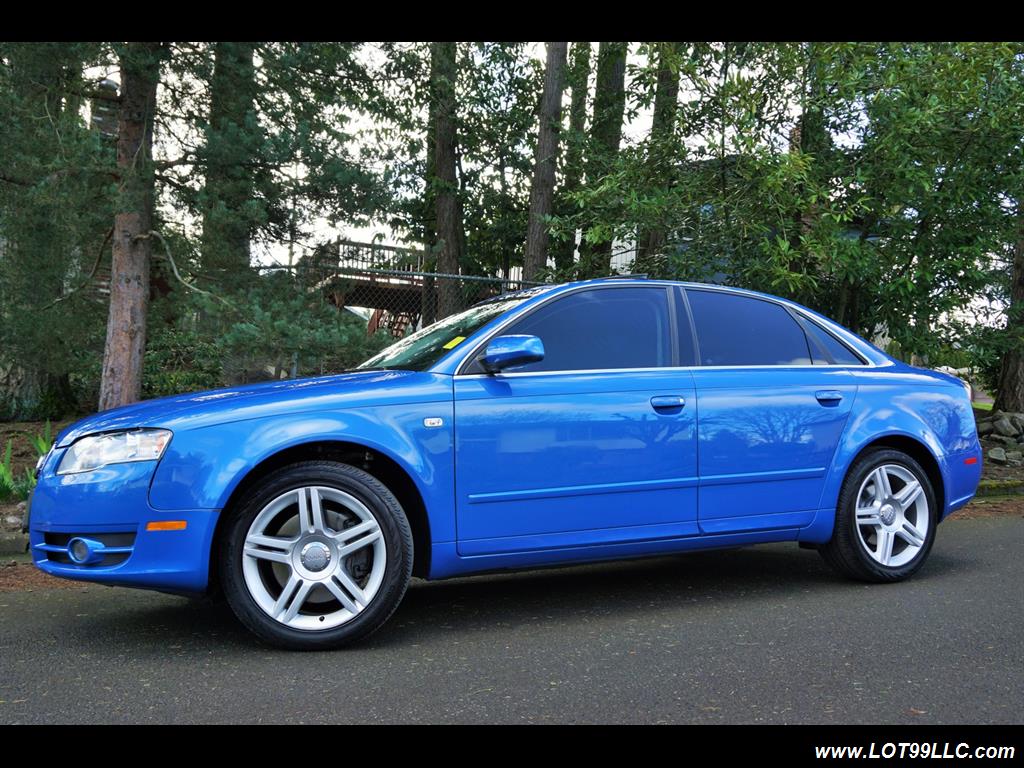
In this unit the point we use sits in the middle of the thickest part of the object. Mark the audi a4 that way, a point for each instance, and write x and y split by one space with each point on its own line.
605 419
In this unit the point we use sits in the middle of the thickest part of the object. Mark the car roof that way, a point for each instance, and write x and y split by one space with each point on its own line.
632 280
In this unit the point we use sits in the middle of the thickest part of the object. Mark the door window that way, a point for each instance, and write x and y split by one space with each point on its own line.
741 330
604 328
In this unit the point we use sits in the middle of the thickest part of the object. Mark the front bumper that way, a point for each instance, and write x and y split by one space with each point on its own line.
110 506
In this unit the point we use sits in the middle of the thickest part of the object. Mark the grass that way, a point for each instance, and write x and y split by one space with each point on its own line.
982 406
1000 487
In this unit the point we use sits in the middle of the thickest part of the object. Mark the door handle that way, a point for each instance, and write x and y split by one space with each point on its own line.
828 396
668 402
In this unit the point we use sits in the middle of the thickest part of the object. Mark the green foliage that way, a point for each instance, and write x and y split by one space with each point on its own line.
14 487
6 474
55 210
984 347
42 443
873 182
180 361
497 91
277 326
879 183
255 145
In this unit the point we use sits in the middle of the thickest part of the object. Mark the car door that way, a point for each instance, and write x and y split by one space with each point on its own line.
595 444
769 418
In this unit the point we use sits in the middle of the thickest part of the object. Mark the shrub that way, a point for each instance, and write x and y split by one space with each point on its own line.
180 361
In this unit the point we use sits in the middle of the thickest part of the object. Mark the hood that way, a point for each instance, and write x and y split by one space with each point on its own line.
196 409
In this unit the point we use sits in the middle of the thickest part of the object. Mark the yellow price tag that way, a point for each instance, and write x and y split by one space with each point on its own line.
455 342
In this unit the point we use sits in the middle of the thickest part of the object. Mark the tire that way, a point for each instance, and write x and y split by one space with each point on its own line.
890 537
325 582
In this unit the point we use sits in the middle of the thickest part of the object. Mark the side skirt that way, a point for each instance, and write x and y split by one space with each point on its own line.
446 562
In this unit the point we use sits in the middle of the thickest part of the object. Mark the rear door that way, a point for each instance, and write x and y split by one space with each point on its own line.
596 444
772 403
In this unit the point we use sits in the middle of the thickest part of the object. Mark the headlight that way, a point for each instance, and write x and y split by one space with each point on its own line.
95 451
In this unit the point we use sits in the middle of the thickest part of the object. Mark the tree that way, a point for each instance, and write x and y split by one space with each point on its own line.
605 137
543 186
1010 386
1010 392
133 224
54 215
663 148
497 90
878 183
578 80
228 157
443 74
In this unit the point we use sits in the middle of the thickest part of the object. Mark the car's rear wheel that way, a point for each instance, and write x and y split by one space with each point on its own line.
316 555
885 519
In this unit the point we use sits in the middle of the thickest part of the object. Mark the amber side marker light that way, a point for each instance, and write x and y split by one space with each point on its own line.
167 525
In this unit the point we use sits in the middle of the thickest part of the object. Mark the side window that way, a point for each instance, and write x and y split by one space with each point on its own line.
841 354
740 330
601 328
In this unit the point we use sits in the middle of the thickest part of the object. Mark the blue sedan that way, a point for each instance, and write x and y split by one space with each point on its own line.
604 419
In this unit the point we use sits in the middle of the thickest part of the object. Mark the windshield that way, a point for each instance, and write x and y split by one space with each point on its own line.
425 347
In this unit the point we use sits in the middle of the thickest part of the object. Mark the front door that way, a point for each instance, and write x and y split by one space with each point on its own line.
596 444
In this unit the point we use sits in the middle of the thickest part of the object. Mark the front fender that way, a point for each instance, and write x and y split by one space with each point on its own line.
202 467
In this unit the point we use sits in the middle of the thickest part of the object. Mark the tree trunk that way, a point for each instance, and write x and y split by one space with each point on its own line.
812 137
1010 394
543 187
129 281
605 137
579 77
229 155
445 182
428 295
650 241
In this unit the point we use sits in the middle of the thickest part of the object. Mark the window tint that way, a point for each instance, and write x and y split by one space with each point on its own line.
601 328
739 330
841 355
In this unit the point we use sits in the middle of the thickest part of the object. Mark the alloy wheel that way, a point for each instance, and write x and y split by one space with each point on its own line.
314 558
892 517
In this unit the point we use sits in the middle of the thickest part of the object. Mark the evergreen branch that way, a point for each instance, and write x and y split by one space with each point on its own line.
177 274
89 277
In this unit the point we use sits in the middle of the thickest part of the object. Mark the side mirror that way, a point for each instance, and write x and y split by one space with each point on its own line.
509 351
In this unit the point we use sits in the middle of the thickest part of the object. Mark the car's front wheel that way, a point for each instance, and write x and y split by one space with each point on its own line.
885 519
316 555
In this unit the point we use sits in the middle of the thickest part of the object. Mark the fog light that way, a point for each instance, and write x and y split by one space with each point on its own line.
85 551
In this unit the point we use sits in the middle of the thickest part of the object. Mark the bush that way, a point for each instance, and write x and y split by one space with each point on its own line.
985 346
277 325
180 361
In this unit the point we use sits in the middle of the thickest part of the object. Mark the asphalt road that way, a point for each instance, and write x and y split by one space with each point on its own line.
761 635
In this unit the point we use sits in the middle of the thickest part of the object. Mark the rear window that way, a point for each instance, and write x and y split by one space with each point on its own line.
741 330
839 352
